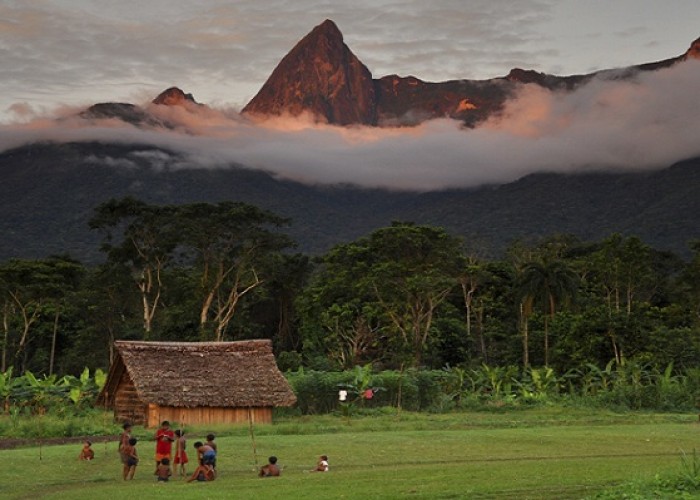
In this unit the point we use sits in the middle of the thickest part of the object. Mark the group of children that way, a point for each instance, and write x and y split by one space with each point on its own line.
165 437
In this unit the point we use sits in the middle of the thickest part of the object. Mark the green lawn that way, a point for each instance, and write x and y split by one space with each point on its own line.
524 454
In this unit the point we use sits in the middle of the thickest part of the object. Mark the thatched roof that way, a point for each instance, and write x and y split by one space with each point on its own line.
192 374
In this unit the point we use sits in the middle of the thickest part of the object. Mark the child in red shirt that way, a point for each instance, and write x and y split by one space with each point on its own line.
164 442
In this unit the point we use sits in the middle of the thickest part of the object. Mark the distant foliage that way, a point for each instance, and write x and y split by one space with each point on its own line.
633 386
30 394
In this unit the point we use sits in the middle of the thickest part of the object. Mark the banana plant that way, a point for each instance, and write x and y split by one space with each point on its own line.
454 383
538 383
84 386
361 388
6 383
498 379
43 390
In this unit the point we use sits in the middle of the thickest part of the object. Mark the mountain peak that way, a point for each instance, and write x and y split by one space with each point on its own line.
126 112
329 29
320 76
173 97
694 50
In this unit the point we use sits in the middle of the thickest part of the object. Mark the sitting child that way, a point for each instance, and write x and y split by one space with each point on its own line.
163 471
86 453
202 473
322 465
207 458
271 469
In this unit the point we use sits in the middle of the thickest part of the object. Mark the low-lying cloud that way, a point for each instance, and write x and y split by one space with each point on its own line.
644 123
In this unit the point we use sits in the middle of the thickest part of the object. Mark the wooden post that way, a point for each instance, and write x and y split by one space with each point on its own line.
252 437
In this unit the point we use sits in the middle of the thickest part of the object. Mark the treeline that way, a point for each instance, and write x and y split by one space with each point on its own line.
403 297
631 386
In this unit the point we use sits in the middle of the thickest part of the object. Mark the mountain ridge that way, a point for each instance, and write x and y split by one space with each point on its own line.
321 77
50 217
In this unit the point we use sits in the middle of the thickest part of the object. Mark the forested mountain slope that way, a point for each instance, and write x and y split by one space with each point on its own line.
48 193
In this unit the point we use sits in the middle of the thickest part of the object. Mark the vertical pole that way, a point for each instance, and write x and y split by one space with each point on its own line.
252 436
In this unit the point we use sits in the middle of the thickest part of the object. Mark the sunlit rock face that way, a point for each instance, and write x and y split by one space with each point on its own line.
694 50
320 76
125 112
174 97
410 101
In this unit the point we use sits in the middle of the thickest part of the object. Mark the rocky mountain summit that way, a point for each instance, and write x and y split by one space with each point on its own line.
174 97
322 77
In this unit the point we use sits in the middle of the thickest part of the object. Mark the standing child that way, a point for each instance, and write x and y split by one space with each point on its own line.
210 442
180 452
124 441
86 453
164 442
132 459
163 472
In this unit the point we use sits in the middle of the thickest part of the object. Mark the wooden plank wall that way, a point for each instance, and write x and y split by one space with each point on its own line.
127 405
207 415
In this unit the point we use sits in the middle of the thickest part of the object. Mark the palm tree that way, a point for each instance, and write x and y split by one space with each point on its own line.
547 283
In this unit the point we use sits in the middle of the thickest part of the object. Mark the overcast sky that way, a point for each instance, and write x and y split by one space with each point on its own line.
59 56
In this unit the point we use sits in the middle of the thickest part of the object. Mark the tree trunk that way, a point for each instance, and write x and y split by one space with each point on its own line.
524 326
479 311
546 340
546 329
53 341
6 331
467 295
616 352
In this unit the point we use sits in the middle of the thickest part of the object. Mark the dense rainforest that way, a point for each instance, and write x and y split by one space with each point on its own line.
404 296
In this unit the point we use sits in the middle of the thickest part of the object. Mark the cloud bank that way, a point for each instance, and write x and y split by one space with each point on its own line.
640 124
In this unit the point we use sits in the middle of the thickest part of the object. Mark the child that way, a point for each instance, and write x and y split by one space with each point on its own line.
180 453
271 469
86 453
202 473
164 442
206 456
124 441
163 472
132 459
322 465
210 442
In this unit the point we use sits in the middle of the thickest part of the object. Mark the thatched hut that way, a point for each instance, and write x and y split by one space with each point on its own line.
194 382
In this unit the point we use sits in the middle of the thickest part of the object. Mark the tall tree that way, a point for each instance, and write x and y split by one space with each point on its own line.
549 283
690 280
30 289
622 269
416 269
390 284
148 236
230 244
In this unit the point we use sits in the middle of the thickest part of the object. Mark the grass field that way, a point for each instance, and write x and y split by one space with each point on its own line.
543 453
